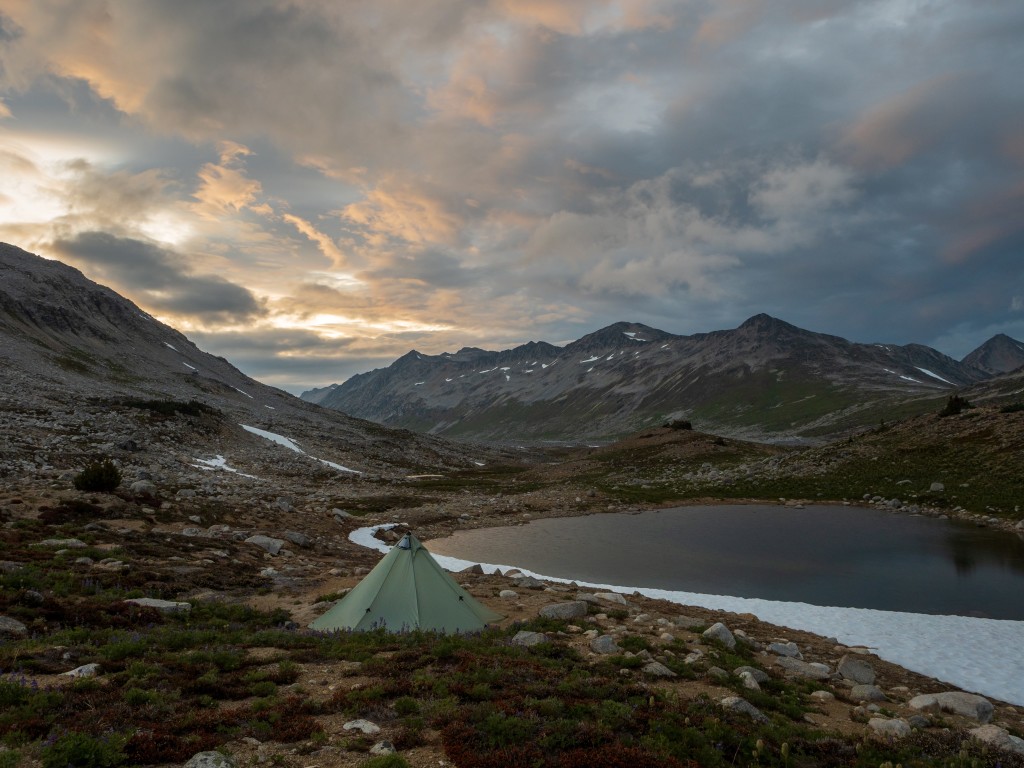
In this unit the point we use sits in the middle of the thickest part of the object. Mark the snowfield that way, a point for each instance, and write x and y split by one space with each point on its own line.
978 655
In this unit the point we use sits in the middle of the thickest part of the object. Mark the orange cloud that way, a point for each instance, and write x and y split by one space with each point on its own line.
404 212
326 245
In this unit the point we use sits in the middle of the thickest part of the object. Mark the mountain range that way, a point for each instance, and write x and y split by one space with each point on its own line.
766 379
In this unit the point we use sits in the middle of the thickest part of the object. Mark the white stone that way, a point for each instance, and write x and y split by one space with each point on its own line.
363 726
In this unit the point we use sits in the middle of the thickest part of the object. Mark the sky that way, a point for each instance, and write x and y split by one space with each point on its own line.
313 188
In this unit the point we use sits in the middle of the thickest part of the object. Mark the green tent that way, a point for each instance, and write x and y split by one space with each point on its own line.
407 590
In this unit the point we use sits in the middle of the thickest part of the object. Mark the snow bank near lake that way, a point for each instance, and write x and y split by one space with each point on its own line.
978 655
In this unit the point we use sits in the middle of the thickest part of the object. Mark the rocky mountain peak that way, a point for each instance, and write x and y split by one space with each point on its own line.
1000 354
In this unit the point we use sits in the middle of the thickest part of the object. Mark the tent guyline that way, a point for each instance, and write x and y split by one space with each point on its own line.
407 590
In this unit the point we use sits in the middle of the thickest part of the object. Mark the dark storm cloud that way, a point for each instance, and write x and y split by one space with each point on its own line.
159 277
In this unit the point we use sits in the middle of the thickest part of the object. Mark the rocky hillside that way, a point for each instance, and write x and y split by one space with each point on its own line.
85 373
764 379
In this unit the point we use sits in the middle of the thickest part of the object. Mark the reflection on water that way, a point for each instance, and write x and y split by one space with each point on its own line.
843 556
969 547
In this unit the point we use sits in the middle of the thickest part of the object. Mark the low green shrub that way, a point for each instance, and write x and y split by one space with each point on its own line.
98 477
81 750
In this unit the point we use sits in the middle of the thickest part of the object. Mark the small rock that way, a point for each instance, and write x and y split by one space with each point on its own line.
721 633
998 738
576 609
857 670
508 594
823 696
936 487
718 673
604 644
363 726
475 568
611 597
895 728
737 704
919 721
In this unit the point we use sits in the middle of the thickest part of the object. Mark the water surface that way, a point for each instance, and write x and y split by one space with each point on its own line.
826 555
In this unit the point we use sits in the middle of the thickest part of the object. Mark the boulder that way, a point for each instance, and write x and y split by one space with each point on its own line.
894 728
797 668
721 633
997 737
749 681
867 693
527 638
164 606
211 759
785 649
12 628
857 670
143 488
604 644
657 669
957 702
271 545
298 539
528 582
576 609
63 543
508 594
363 726
86 670
758 674
738 704
611 597
475 568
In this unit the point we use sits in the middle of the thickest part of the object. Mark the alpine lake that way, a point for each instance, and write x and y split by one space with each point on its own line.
824 555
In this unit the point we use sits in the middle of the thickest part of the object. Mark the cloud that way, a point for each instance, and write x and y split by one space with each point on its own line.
224 188
445 171
158 278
